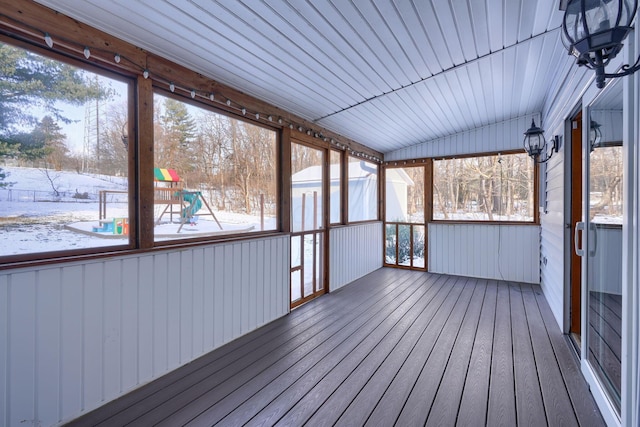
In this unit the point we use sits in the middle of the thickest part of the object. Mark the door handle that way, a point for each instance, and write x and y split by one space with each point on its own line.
592 227
576 238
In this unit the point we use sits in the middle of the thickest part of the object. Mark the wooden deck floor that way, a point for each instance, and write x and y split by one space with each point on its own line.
393 348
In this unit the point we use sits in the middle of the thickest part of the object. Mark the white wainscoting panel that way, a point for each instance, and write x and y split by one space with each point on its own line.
75 336
354 251
507 135
501 252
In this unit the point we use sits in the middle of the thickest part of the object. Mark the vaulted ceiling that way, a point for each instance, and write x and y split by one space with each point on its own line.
386 73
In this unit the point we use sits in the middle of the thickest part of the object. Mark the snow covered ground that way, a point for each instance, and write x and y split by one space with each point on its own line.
36 218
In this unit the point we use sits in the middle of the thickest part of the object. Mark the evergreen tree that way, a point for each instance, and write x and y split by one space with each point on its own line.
28 80
179 130
30 83
178 122
49 135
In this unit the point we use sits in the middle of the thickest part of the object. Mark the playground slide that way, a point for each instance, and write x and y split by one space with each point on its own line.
193 205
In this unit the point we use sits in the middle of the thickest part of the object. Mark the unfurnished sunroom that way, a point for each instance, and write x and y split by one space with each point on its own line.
319 212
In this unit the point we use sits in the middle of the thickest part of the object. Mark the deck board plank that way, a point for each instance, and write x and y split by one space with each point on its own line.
473 404
418 405
554 392
584 408
358 410
331 371
501 408
281 394
393 347
331 396
446 404
529 407
394 399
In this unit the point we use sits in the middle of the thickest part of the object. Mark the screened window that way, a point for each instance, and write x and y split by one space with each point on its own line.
484 188
64 149
306 188
363 190
214 175
404 190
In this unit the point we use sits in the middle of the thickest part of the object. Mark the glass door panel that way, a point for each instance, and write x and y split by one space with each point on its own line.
603 229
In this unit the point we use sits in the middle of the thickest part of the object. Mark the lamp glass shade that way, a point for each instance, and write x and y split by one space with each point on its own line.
534 141
595 134
598 25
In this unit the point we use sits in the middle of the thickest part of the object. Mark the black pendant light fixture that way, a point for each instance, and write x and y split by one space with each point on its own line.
593 32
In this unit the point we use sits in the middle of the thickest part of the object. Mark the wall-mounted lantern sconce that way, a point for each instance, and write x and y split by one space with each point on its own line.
595 135
593 32
535 144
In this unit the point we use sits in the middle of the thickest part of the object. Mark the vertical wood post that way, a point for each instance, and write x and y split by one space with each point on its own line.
145 161
284 202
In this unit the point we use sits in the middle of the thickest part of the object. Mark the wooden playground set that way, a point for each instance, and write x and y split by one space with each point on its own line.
168 191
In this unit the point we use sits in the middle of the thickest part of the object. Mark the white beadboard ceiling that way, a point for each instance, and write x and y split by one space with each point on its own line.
386 73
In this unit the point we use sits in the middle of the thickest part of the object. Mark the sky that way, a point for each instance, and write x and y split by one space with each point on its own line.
75 131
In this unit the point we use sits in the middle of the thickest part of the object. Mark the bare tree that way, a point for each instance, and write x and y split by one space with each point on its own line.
113 150
496 186
606 182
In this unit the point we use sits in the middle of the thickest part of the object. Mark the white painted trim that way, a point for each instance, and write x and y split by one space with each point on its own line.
629 231
629 234
632 410
608 411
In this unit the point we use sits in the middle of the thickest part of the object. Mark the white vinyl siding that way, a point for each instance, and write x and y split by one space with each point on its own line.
354 251
491 251
78 335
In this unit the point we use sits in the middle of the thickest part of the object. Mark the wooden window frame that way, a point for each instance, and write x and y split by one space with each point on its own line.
536 191
133 89
160 89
